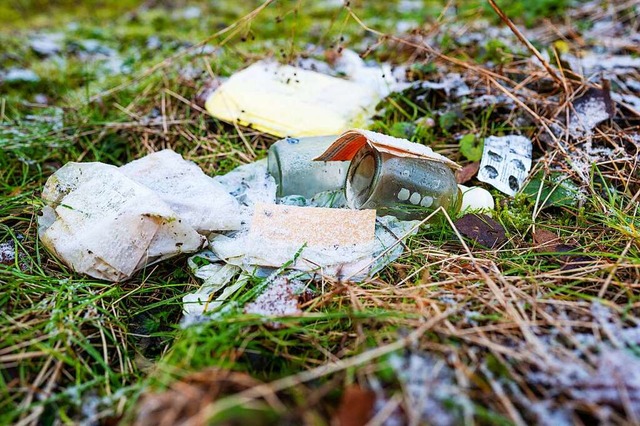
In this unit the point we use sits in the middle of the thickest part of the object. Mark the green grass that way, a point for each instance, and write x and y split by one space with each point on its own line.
69 340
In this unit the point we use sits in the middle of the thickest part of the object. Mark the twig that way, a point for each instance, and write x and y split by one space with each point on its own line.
526 42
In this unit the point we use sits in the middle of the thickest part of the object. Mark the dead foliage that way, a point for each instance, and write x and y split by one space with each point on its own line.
186 401
482 229
356 406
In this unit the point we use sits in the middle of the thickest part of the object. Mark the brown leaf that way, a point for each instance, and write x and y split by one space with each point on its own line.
467 173
356 406
187 399
482 229
546 241
549 242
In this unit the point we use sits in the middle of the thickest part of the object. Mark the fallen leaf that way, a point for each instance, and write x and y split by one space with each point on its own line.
186 400
557 190
591 109
356 406
482 229
466 173
546 241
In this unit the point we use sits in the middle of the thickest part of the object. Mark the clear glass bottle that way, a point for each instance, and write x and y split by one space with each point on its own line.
290 162
408 188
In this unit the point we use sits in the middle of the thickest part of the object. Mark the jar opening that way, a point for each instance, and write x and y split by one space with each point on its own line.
361 178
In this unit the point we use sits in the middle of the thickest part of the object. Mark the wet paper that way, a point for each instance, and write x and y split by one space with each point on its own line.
109 222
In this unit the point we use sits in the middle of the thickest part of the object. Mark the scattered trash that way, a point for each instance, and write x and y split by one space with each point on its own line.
291 164
394 176
286 101
199 200
283 100
109 222
476 198
482 229
326 236
381 77
594 107
249 184
350 142
216 276
506 162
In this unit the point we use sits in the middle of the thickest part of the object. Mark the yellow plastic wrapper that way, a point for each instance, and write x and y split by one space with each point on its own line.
286 101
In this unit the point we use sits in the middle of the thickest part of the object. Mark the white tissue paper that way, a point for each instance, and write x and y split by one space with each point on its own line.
109 222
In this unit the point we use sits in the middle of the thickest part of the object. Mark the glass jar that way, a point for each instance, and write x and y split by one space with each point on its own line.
408 188
290 162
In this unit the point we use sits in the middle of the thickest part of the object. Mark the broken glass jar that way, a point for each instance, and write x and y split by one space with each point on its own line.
407 188
291 165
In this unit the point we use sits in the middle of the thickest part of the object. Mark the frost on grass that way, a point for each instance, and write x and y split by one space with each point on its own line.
599 371
590 110
7 253
430 389
278 300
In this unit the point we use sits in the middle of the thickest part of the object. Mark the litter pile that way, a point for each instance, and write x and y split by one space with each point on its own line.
325 217
321 205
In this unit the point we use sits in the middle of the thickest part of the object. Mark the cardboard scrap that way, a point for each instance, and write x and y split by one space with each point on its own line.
278 232
312 226
350 142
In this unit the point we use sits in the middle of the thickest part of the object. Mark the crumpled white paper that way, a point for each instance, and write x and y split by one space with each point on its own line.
198 199
109 222
215 276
